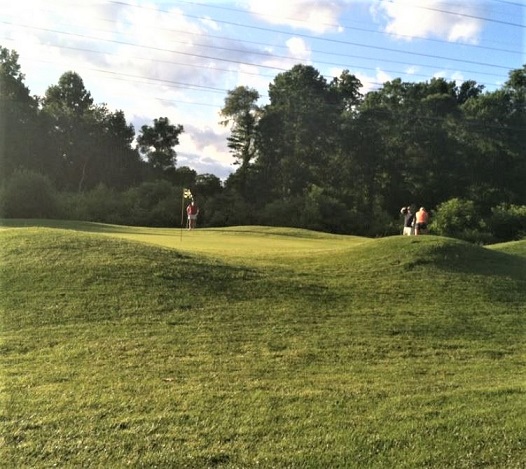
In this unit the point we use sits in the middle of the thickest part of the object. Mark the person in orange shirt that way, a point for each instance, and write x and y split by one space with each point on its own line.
422 218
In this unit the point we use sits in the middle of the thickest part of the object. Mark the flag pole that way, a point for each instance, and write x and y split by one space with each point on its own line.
182 214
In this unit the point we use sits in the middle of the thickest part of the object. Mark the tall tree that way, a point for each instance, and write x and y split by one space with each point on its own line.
91 144
296 130
493 129
68 107
240 112
516 89
417 121
157 143
18 118
118 165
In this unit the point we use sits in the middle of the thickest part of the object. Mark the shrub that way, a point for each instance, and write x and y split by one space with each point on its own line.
227 209
28 194
459 218
101 204
508 222
323 213
155 203
286 212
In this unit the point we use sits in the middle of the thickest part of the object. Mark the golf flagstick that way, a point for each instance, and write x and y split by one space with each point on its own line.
182 215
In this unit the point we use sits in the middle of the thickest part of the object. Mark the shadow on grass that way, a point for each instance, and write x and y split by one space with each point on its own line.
82 226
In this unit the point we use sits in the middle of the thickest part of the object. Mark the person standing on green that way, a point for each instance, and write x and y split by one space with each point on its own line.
409 218
191 212
422 219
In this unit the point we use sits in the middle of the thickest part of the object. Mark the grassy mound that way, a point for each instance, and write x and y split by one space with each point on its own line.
259 348
517 248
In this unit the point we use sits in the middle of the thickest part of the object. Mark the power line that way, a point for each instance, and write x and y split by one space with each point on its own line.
336 41
510 3
318 52
282 57
266 54
348 43
157 60
464 15
386 49
115 41
496 49
83 36
280 69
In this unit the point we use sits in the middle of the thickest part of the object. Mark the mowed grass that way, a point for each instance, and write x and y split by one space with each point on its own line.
259 347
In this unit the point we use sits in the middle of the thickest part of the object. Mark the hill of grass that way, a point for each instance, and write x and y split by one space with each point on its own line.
259 347
514 247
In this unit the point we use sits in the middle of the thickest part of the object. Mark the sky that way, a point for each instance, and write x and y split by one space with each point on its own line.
179 59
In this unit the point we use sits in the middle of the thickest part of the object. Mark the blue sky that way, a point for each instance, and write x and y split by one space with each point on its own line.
178 59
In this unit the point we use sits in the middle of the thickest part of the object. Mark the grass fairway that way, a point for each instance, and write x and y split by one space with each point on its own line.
259 347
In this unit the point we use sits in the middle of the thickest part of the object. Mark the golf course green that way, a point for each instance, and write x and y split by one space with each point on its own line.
255 346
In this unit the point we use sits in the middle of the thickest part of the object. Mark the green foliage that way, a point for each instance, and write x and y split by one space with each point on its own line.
285 212
240 113
86 143
155 203
28 194
315 210
508 222
207 185
458 218
461 219
101 204
157 143
20 141
228 209
300 350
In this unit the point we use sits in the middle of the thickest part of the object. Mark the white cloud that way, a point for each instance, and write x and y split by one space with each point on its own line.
318 16
458 77
211 24
205 150
453 21
298 48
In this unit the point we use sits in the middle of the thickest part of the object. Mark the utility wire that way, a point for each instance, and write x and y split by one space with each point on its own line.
454 13
387 49
218 58
331 40
352 28
201 56
266 54
287 58
510 3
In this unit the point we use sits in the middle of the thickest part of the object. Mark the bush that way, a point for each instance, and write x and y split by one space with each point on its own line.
459 218
287 212
100 204
323 213
508 222
156 203
28 194
227 209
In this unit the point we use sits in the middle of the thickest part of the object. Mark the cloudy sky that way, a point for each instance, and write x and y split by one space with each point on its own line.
178 59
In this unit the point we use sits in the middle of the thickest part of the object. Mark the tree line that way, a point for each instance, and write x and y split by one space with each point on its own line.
320 155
